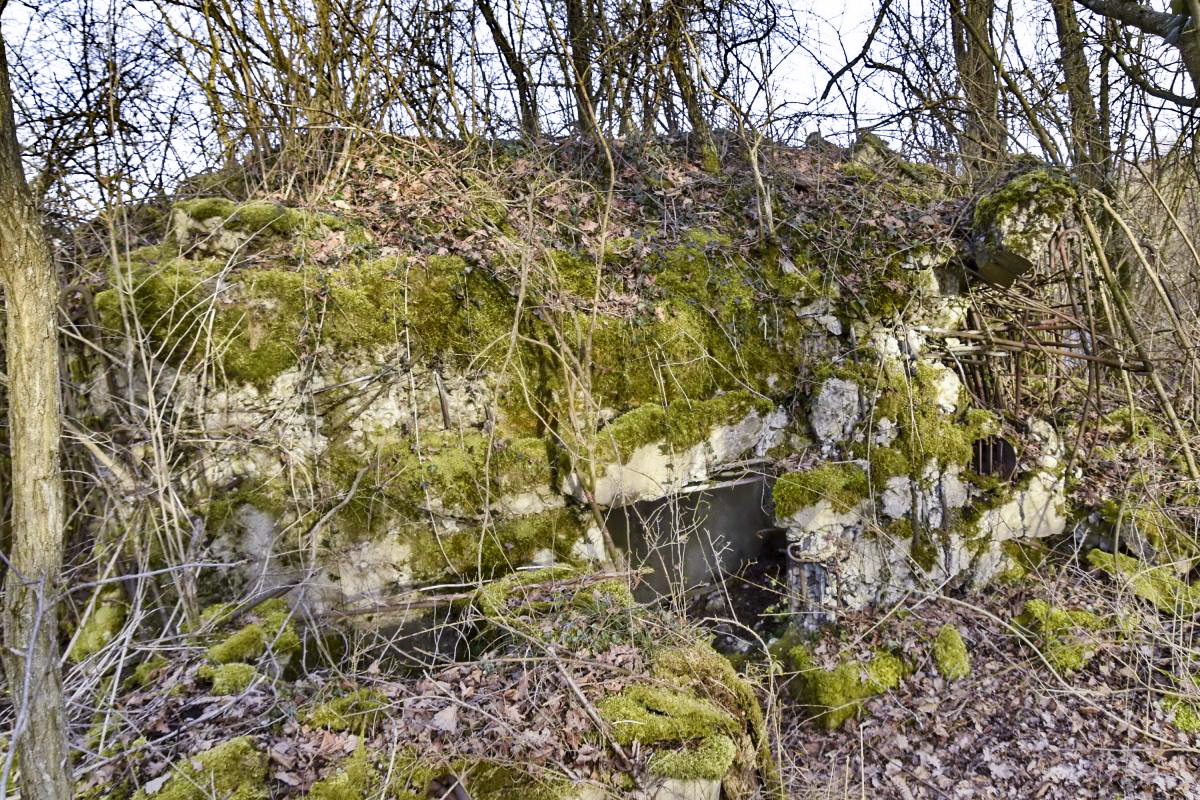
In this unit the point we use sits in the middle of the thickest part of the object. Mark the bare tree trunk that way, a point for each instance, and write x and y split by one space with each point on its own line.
983 139
30 614
1089 146
526 96
580 29
679 65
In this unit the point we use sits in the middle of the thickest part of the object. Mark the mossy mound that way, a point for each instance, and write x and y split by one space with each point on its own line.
710 759
949 653
359 711
229 679
654 714
273 634
1150 531
101 626
234 769
466 360
356 779
1157 585
1064 637
563 607
832 696
700 716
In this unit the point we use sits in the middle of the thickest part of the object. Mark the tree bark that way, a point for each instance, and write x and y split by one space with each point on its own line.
688 94
1090 148
983 140
30 613
1158 23
580 28
526 96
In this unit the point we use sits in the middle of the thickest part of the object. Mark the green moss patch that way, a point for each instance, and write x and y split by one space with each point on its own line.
145 672
834 695
1157 585
228 679
950 655
926 434
710 759
1025 558
233 770
651 714
843 485
510 597
677 427
1185 714
1150 529
489 780
1062 636
484 553
251 217
706 673
357 779
257 324
562 607
411 777
101 626
246 644
1048 192
359 711
274 631
463 472
605 597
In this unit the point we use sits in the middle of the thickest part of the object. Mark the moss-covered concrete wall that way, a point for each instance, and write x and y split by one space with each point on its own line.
374 402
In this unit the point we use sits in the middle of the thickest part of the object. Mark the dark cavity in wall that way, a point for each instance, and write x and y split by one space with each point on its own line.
994 456
714 552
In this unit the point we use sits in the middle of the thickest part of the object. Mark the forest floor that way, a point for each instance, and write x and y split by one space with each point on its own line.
1014 727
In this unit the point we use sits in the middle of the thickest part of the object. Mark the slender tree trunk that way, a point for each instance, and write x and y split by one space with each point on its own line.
1088 144
30 614
526 97
688 93
579 37
983 138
